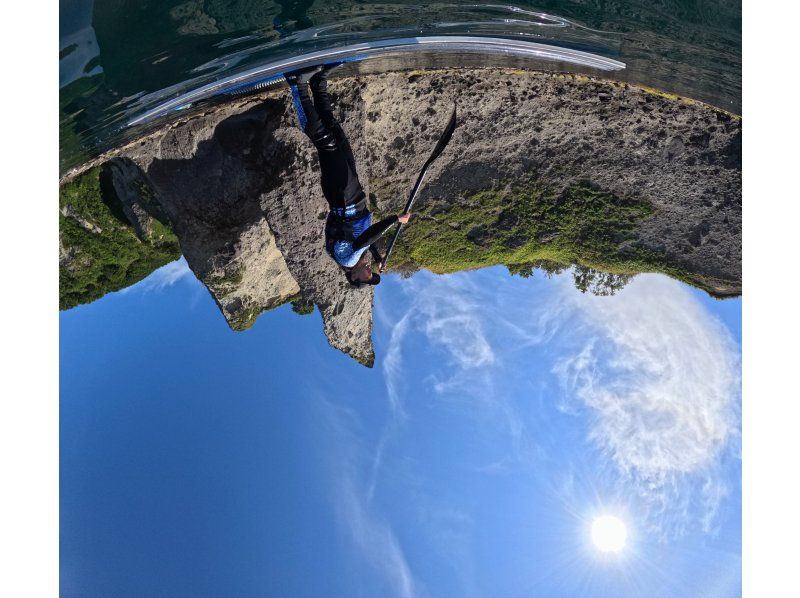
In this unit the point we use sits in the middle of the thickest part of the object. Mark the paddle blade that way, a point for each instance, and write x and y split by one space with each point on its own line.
445 138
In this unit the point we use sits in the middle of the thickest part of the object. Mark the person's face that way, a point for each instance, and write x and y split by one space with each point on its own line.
362 272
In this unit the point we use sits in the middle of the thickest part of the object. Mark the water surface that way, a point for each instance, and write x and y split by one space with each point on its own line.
118 58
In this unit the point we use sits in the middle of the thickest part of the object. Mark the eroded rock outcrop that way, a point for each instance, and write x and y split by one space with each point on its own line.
208 176
239 183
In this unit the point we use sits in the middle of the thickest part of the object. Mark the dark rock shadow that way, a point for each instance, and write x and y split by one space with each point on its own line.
212 194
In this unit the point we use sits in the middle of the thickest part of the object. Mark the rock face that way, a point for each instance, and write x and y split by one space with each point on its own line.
133 194
240 190
240 184
683 158
208 177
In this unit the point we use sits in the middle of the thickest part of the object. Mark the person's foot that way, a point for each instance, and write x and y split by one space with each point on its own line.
322 75
302 76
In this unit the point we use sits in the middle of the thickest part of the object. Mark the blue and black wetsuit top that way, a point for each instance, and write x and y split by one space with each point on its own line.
349 232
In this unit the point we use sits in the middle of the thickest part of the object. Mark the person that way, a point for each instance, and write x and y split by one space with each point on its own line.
350 235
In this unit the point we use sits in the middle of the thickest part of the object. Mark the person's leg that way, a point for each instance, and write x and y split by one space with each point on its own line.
333 162
339 180
322 102
319 87
351 190
307 114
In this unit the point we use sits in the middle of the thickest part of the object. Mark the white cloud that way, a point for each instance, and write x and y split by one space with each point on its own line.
163 277
465 337
448 312
462 336
393 364
660 375
659 378
654 372
372 537
451 318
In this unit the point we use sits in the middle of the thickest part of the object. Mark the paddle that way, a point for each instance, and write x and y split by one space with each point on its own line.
443 141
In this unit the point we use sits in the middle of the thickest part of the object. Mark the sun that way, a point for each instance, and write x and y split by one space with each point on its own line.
609 533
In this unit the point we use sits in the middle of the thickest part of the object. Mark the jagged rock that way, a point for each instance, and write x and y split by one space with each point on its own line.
293 209
253 236
130 191
66 255
224 236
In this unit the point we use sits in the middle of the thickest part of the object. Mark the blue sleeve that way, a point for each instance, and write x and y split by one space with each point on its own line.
345 255
373 233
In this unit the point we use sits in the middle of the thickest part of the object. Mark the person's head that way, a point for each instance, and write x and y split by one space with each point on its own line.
361 273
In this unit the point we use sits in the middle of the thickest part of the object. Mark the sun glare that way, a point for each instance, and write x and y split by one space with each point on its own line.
609 533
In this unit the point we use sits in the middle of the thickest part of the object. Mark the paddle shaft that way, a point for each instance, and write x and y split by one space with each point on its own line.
409 203
443 141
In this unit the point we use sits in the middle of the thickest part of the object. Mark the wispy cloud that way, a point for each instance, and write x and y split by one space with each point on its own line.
659 378
373 538
453 318
448 311
653 372
163 277
459 323
393 365
456 326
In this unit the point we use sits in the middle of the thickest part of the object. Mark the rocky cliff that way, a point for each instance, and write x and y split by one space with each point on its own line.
542 167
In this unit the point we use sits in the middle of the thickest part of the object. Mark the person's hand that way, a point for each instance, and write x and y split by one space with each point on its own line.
403 218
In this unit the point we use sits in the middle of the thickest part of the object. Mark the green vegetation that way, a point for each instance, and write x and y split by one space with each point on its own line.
100 250
245 317
241 15
526 227
302 306
225 281
585 278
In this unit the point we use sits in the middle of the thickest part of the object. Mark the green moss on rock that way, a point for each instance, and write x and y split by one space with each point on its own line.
302 306
525 226
521 226
245 317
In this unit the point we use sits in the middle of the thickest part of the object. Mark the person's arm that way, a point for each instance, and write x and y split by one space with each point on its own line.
374 232
375 254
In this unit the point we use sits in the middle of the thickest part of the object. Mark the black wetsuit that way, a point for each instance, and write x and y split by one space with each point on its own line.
348 226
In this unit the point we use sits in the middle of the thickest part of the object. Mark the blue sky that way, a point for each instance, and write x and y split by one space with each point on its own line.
503 414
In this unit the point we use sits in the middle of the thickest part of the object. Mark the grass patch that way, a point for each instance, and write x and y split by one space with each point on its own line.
526 227
104 252
526 224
